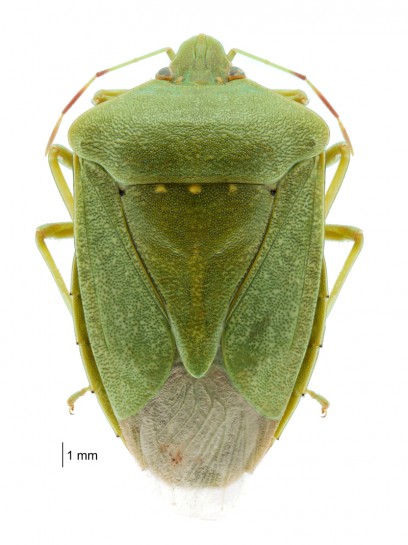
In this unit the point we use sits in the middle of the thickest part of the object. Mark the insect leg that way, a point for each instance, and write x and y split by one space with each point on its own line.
74 398
293 94
81 334
324 403
58 231
57 156
312 352
338 153
106 94
341 233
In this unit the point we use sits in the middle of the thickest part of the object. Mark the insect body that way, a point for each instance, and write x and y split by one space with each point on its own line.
199 291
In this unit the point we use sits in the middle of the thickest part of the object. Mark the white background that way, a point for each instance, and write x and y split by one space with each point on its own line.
342 480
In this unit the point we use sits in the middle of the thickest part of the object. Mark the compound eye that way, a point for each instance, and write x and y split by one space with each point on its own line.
235 73
164 74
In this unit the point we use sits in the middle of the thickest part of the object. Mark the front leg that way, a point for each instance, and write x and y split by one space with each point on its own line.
293 94
338 153
103 95
58 156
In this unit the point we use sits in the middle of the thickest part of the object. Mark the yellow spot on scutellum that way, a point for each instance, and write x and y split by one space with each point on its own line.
160 188
194 188
232 188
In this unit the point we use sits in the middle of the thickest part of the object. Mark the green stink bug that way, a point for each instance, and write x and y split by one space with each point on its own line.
199 290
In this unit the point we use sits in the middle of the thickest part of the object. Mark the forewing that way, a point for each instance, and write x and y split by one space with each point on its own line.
127 325
270 323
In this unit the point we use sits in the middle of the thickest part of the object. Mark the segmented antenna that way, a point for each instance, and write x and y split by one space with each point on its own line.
234 51
167 50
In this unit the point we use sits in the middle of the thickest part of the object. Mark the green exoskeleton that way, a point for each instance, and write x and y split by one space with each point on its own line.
199 292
